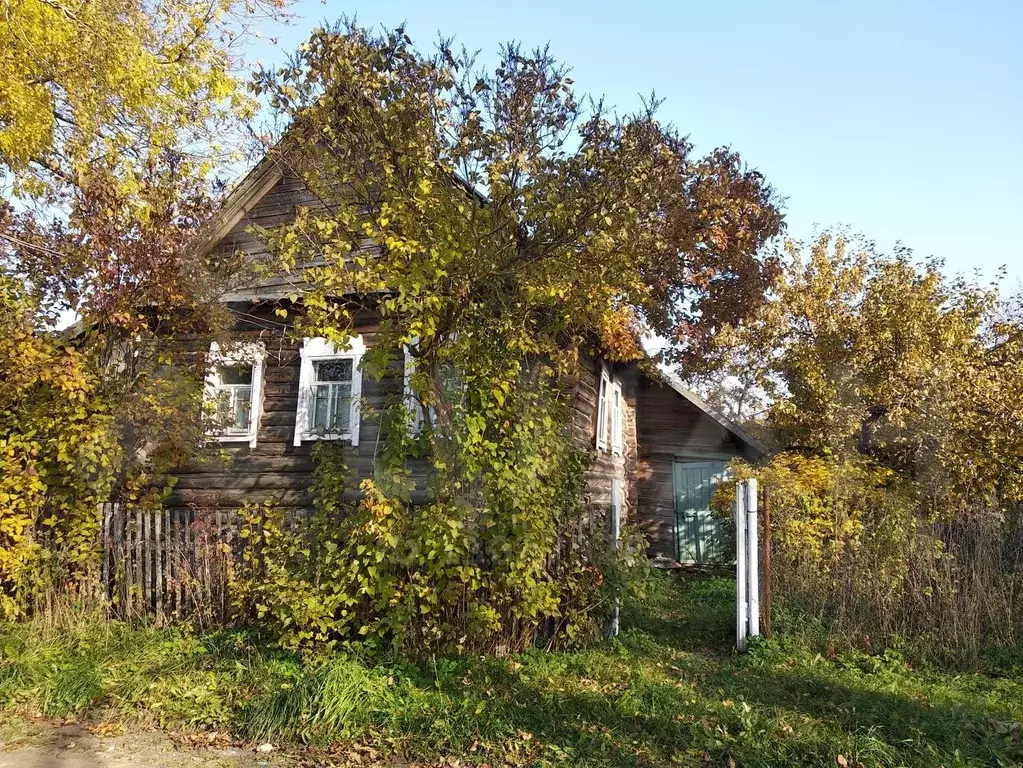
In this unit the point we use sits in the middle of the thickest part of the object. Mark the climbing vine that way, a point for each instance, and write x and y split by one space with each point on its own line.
494 228
58 451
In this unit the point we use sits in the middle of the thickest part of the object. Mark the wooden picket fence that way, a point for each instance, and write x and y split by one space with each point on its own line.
169 563
175 563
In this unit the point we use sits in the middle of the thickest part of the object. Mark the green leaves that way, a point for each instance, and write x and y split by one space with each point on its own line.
499 228
58 453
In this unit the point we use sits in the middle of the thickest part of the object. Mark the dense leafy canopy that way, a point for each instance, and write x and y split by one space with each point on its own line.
881 357
495 226
897 408
114 83
112 113
499 193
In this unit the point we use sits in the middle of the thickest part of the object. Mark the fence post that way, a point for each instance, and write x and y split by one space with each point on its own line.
616 523
107 511
753 553
740 566
766 580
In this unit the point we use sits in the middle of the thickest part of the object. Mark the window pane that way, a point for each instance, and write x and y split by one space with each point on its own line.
318 415
222 403
341 410
232 406
334 370
242 409
235 374
331 411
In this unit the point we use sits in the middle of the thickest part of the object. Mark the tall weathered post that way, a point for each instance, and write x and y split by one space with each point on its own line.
753 556
747 563
766 580
616 535
741 614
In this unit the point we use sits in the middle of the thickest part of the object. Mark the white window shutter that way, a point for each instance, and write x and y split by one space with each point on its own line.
603 392
617 417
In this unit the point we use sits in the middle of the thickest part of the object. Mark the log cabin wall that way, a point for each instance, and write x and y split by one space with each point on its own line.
606 465
276 208
276 468
671 428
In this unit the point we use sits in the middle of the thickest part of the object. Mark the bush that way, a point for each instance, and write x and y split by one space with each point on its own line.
862 559
57 458
373 572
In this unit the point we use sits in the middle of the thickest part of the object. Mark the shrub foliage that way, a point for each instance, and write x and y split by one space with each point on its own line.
897 491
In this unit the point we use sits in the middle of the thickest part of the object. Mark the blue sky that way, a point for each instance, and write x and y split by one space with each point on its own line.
900 120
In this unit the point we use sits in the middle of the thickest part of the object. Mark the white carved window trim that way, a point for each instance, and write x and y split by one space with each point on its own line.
315 350
253 353
412 404
603 394
617 417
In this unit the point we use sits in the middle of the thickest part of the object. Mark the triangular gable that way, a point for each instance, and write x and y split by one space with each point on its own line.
248 193
741 435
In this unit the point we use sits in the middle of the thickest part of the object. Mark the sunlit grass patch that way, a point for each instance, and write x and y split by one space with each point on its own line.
669 690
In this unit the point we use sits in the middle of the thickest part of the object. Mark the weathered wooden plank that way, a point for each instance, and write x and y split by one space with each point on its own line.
249 481
232 498
138 556
179 557
147 551
158 550
107 511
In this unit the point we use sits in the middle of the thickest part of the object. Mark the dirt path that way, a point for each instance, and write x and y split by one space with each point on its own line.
29 744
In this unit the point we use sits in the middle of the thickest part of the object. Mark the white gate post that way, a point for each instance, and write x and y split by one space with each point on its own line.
753 554
616 535
740 565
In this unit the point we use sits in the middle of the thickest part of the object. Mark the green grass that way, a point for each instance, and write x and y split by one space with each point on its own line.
669 691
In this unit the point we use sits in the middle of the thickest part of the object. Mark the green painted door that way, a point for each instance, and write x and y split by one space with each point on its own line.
699 536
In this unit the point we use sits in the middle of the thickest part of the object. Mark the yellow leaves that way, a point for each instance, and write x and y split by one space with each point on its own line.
106 73
57 447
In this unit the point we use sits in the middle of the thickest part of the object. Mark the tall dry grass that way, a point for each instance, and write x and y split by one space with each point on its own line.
949 592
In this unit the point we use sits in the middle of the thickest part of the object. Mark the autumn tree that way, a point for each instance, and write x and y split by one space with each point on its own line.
112 115
101 104
496 221
897 487
887 358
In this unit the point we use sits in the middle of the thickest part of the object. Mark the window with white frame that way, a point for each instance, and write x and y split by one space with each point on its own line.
603 394
452 384
412 403
610 413
330 387
234 391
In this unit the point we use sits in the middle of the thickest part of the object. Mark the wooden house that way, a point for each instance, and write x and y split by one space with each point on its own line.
661 443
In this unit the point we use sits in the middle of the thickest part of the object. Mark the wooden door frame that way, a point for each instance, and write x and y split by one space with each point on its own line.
680 460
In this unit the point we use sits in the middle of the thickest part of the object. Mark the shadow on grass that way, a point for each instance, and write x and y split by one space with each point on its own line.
671 692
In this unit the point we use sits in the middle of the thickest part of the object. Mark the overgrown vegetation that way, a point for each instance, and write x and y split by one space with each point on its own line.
372 573
495 228
897 491
112 118
57 451
669 691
